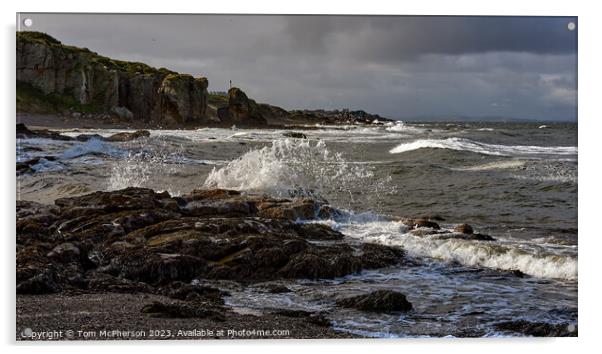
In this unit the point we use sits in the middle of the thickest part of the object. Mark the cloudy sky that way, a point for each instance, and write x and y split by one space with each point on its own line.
399 67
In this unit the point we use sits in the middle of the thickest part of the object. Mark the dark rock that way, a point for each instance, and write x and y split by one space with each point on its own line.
299 209
378 301
295 135
141 240
65 252
241 110
538 329
125 136
274 288
28 165
42 283
314 318
464 229
416 223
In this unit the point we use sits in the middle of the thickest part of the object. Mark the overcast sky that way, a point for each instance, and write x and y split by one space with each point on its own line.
399 67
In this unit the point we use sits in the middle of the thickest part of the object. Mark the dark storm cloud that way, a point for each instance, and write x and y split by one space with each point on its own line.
401 67
401 38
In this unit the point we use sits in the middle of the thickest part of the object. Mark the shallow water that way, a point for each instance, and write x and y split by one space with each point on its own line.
515 182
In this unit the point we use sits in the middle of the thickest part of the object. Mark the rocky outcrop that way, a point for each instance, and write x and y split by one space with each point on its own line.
378 301
54 76
23 132
241 110
139 240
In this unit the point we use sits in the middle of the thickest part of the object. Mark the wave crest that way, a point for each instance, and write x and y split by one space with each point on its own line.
293 167
461 144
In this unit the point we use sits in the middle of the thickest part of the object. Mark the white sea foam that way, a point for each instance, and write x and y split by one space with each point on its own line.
534 261
461 144
496 165
294 167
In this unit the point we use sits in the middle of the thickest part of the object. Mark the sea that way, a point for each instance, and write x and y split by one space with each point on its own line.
516 182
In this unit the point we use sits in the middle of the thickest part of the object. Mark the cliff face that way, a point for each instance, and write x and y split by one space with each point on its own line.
65 77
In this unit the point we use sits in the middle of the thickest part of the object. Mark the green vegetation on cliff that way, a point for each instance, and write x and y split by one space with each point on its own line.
32 99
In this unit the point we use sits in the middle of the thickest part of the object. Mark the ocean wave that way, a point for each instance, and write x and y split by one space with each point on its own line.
461 144
92 147
496 165
295 167
402 127
535 261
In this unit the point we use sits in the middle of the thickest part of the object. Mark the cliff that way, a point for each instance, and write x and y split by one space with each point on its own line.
59 79
56 78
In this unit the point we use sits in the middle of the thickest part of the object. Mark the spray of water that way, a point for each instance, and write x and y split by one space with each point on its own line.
143 163
299 167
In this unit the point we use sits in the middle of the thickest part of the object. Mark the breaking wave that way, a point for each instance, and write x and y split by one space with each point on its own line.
461 144
92 147
296 167
536 261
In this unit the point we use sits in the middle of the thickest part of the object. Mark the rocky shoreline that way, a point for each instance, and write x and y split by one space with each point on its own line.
146 247
140 259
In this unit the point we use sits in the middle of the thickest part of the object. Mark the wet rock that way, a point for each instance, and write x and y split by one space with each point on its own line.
416 223
377 256
25 133
311 317
141 240
27 166
212 194
317 232
464 229
538 329
378 301
273 288
295 135
299 209
125 136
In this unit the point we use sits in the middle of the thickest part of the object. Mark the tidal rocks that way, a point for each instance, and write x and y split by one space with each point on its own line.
295 135
464 229
378 301
29 166
138 236
25 133
420 222
126 136
241 110
53 77
538 329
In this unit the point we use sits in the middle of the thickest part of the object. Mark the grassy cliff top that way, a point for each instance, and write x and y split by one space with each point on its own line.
41 38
